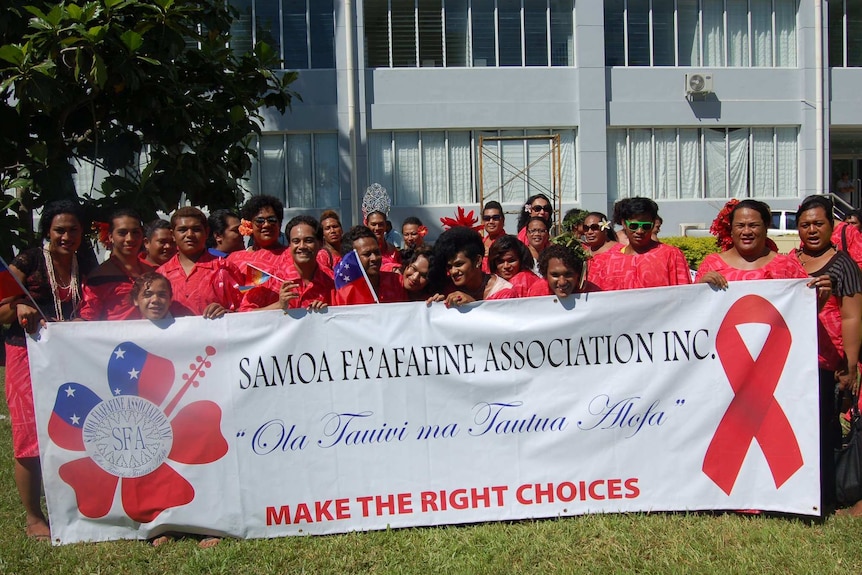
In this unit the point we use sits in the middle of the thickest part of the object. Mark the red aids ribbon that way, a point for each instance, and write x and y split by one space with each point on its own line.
753 413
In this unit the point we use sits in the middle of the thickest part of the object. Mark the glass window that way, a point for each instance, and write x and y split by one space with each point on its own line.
457 41
562 33
509 14
267 25
322 27
377 34
536 32
430 33
615 44
296 46
241 40
638 28
484 46
663 33
300 169
403 34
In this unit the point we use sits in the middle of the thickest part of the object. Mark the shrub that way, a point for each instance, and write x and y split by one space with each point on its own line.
695 249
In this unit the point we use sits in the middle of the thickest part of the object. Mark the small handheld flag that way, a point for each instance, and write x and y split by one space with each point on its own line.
351 281
256 277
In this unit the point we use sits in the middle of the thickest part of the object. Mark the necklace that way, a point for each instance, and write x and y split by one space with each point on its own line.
72 286
812 256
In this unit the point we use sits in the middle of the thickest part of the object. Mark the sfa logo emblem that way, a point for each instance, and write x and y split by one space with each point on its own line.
754 413
132 437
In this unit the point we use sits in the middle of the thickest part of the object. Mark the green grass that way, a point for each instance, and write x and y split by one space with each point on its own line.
656 543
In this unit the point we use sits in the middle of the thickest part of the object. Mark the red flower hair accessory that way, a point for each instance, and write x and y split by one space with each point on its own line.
720 227
423 231
102 233
245 228
461 219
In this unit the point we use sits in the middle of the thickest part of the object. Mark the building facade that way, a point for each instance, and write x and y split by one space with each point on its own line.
446 102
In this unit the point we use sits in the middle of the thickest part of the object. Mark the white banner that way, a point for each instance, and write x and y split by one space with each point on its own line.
264 424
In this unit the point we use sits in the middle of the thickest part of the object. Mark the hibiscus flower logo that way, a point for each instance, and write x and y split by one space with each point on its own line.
130 438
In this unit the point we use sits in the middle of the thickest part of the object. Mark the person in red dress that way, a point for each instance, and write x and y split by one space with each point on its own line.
458 255
159 245
306 284
494 221
510 260
537 205
563 271
599 235
644 262
107 289
330 254
387 285
52 276
265 214
202 284
413 232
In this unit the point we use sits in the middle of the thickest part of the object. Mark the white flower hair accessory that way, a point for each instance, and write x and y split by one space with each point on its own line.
527 208
605 225
376 199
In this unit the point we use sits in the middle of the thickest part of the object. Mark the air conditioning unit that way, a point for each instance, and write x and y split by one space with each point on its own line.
698 83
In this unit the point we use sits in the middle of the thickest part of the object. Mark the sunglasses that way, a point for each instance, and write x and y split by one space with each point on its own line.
593 227
634 225
269 220
537 209
536 231
494 218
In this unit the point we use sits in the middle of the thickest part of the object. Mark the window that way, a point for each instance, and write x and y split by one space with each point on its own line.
302 32
441 167
300 169
464 33
717 33
845 33
691 163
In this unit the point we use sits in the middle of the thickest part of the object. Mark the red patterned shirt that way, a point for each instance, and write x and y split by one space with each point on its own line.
662 265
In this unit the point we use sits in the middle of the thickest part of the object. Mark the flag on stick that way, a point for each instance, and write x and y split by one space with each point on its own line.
351 281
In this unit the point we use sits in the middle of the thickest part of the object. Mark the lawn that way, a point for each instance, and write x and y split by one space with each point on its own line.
654 543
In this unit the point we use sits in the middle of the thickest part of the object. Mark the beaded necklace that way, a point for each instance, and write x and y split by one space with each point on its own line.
72 286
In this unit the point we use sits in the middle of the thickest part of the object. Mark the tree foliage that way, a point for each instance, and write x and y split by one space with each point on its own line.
147 90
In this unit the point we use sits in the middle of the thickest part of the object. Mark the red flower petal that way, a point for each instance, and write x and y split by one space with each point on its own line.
145 497
94 487
197 434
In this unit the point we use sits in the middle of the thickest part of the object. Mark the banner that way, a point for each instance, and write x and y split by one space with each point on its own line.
267 424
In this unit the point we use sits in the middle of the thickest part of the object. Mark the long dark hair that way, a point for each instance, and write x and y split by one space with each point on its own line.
526 214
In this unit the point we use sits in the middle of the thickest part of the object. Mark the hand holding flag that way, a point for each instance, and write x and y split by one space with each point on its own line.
352 285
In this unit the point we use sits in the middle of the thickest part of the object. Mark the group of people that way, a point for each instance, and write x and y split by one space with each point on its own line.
199 265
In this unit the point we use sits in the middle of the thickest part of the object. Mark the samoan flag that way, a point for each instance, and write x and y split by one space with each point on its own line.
351 282
9 285
132 370
71 408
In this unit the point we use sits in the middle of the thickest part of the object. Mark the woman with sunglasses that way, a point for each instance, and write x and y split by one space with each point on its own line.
537 205
598 232
644 262
511 260
265 214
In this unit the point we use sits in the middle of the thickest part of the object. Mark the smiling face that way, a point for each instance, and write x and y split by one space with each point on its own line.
377 223
594 235
64 235
304 245
494 221
462 270
537 234
508 265
416 274
748 232
161 246
265 227
540 208
412 237
190 235
815 229
332 231
127 237
369 255
562 279
154 300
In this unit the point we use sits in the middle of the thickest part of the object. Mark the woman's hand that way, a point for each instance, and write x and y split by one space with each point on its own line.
848 379
29 318
316 305
715 279
458 298
823 285
435 298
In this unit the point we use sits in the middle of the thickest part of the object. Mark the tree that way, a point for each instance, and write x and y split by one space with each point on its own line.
148 90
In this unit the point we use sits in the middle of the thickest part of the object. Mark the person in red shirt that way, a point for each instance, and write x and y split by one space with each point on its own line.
330 253
306 284
389 254
417 267
494 221
562 269
387 285
265 252
644 262
537 205
458 254
159 245
201 283
106 291
510 259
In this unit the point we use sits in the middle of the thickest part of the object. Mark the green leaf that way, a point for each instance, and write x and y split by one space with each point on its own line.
48 68
132 40
263 51
74 11
96 33
111 3
152 61
237 113
98 72
12 53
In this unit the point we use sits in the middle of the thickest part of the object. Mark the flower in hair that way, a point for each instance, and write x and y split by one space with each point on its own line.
245 228
720 227
605 225
527 208
102 234
423 231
